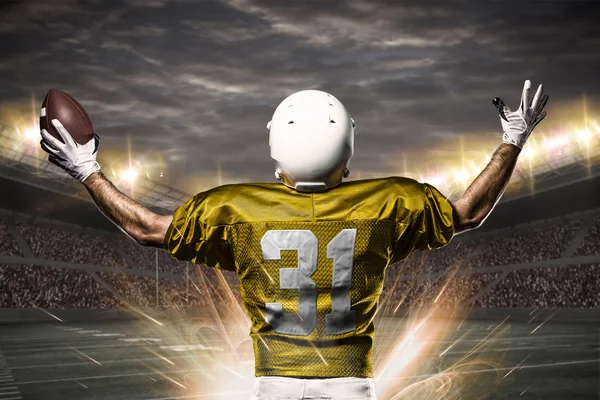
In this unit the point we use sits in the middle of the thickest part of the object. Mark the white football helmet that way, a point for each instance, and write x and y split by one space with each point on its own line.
311 136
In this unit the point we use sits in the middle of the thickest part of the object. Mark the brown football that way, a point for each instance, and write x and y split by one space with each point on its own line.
59 105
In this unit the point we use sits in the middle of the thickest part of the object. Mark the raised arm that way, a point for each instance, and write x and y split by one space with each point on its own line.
79 160
140 223
483 194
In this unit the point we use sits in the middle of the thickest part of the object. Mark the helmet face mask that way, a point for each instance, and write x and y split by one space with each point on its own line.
311 137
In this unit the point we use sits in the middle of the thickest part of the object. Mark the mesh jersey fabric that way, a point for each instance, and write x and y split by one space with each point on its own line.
311 266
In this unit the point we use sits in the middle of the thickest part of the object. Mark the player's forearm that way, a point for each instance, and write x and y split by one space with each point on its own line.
129 215
482 195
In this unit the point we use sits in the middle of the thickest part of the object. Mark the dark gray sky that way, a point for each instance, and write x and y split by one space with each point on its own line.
193 83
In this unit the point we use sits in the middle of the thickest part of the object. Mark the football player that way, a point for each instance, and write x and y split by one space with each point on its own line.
310 252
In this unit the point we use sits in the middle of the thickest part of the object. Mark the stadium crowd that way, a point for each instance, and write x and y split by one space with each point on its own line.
451 256
28 286
147 258
52 243
567 287
591 242
525 245
447 291
8 246
438 277
141 291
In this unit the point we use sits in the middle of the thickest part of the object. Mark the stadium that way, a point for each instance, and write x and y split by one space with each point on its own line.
299 200
85 312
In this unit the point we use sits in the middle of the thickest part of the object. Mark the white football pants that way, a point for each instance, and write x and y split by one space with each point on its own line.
280 388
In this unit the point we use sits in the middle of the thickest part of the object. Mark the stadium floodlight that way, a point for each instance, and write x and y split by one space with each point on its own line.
436 180
557 141
584 136
528 152
130 175
462 176
32 133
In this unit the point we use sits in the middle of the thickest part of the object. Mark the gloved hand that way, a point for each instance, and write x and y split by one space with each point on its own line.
77 159
518 125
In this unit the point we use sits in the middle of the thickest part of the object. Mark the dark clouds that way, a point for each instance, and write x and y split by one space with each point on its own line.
196 81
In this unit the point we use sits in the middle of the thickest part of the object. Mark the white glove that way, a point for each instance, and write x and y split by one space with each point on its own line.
79 160
518 125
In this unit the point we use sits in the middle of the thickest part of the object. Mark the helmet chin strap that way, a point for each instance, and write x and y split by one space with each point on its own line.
309 186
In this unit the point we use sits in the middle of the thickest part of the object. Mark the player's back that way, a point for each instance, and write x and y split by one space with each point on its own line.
311 266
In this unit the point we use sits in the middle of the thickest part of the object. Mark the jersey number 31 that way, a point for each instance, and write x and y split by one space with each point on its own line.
341 249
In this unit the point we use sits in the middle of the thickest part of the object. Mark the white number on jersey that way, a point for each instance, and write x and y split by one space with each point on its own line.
341 249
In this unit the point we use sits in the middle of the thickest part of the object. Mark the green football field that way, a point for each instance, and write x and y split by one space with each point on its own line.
182 359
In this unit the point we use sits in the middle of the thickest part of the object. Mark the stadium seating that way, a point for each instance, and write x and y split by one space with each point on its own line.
568 287
591 242
53 243
28 286
8 246
453 276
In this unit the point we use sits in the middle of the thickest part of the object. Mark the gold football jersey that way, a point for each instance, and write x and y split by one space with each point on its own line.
311 265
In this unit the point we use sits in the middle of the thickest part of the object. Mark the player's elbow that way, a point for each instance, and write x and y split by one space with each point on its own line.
466 217
153 232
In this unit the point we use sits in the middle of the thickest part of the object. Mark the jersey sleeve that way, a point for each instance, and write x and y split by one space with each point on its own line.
191 238
428 224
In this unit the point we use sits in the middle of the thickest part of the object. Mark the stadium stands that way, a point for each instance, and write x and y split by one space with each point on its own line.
52 243
146 258
591 242
8 246
526 245
490 270
451 291
569 287
141 291
28 286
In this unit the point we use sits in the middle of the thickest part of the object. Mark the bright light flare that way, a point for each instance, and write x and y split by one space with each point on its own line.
406 352
130 174
32 133
436 180
461 176
529 152
555 142
584 136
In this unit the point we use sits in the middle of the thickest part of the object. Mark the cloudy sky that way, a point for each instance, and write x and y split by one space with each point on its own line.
187 85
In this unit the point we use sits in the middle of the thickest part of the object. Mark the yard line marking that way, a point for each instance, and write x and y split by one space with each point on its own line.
195 396
50 349
108 334
502 369
7 387
200 369
184 347
492 350
190 347
86 378
73 364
